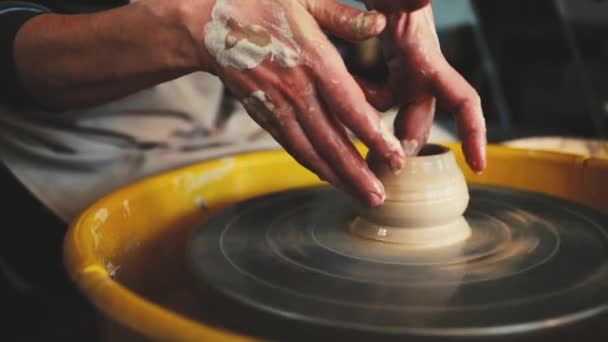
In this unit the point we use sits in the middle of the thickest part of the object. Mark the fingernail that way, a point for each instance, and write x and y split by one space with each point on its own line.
367 23
379 189
375 21
361 23
478 166
396 156
375 199
397 163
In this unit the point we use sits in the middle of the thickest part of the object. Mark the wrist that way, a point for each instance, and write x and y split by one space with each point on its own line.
181 22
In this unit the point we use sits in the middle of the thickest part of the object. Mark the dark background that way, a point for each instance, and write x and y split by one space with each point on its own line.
540 67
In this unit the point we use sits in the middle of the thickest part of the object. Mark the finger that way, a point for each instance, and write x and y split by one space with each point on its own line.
413 125
378 95
271 111
459 97
341 129
343 132
346 22
336 149
342 95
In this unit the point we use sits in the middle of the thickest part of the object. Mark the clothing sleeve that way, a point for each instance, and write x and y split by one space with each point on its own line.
12 16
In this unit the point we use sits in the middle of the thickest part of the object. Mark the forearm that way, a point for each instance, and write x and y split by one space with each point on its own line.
69 61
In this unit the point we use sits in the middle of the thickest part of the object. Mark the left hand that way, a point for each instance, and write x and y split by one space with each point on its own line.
420 75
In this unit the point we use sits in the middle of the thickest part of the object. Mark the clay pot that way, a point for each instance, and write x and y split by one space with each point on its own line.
424 205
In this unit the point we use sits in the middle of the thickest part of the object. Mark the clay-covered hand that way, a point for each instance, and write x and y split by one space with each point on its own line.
274 56
420 75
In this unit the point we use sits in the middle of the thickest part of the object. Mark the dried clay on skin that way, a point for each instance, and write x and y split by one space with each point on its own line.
411 147
246 46
389 138
261 110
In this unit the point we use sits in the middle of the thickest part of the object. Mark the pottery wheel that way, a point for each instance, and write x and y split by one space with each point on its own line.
531 262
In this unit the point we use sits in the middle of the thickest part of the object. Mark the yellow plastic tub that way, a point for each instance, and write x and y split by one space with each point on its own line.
126 252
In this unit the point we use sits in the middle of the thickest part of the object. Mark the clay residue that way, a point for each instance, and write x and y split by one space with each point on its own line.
126 208
254 34
389 138
411 147
364 24
260 107
190 182
111 268
200 202
241 45
101 216
259 101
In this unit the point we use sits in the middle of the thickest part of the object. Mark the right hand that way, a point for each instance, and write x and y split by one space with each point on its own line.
274 56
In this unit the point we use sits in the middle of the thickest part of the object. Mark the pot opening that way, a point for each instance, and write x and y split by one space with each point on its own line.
432 150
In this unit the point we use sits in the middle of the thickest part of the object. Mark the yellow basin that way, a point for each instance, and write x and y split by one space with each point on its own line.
126 252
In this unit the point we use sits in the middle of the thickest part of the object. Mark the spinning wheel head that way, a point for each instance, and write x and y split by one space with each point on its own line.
528 259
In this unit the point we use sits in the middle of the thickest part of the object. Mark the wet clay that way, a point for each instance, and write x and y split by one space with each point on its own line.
424 205
255 34
240 44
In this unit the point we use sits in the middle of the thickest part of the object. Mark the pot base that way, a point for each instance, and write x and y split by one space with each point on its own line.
453 232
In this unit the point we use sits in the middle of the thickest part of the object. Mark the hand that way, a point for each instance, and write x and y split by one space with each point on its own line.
274 57
419 74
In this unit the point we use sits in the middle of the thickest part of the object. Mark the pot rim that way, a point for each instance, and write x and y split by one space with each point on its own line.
432 151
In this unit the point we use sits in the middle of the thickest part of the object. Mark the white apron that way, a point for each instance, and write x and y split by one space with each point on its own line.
69 160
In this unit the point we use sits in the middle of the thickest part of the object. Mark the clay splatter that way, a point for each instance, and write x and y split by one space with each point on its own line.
111 268
262 111
126 208
101 216
190 182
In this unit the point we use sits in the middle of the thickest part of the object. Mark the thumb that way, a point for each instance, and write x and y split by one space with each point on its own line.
413 125
346 22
